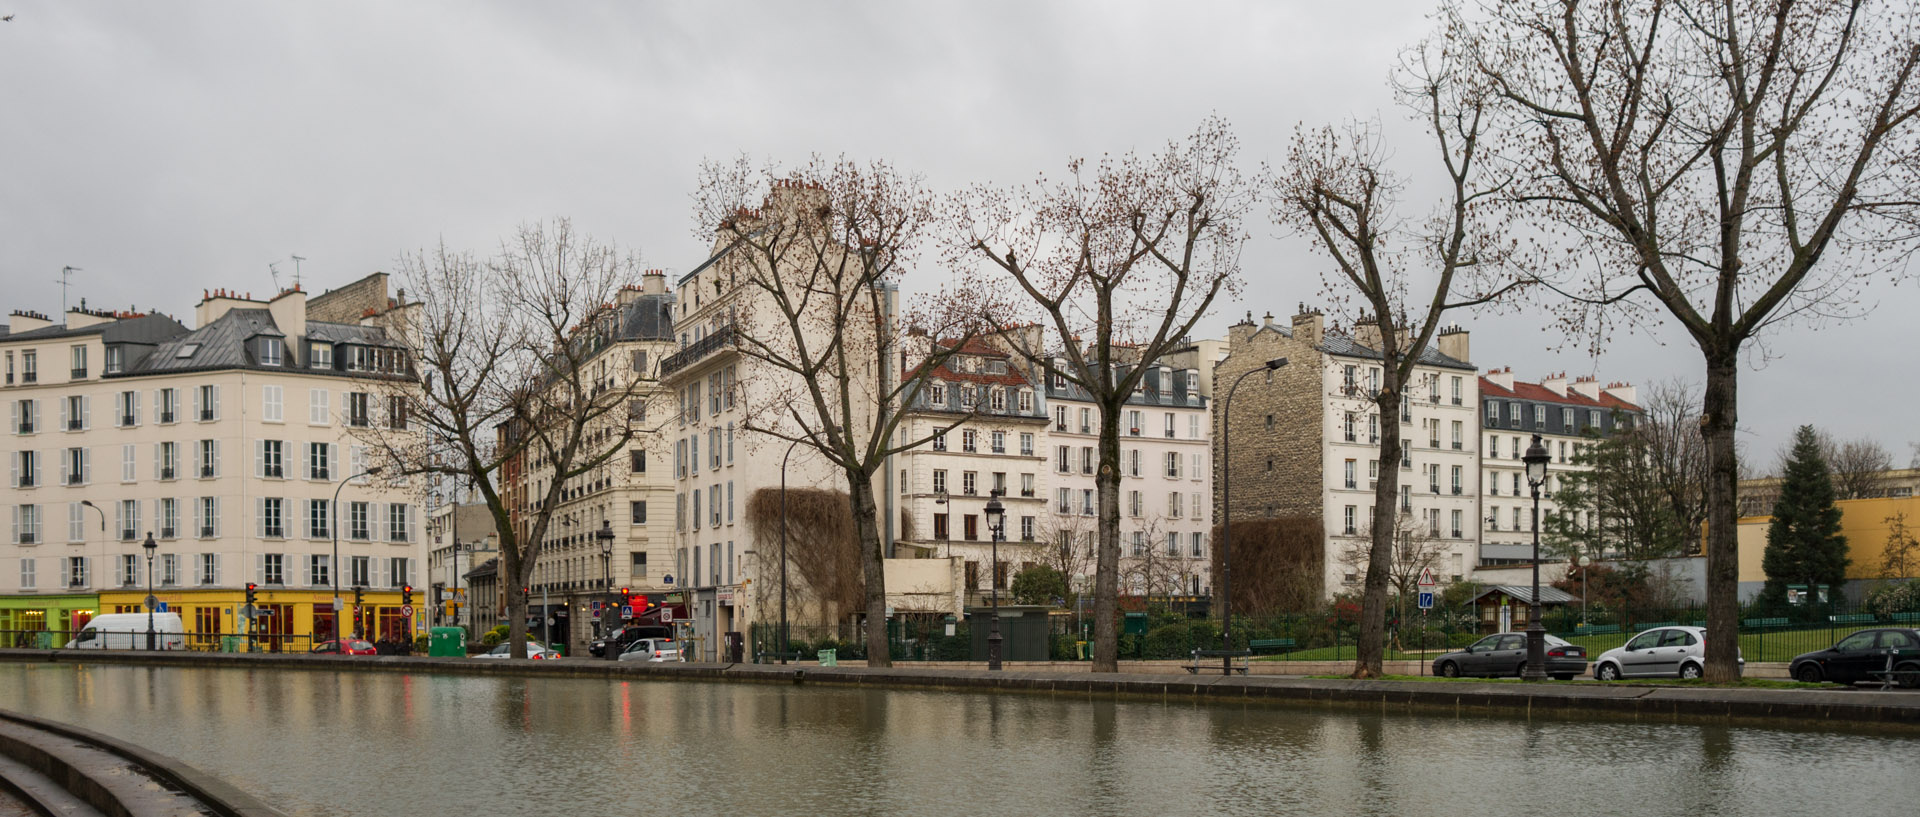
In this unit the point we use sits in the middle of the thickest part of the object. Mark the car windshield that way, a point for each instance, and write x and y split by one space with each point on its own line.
1487 643
1556 641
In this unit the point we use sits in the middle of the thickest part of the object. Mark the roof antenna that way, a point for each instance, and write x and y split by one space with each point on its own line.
66 284
296 271
274 267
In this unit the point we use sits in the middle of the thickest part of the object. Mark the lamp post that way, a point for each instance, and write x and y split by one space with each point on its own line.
1226 516
996 525
610 612
1536 460
786 643
333 570
150 547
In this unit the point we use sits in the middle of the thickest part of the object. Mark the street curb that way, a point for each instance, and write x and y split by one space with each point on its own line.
1827 709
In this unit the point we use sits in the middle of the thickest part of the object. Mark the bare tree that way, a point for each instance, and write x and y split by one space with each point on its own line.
1708 156
1404 278
518 392
1675 453
814 257
1120 260
1859 467
1413 551
1901 557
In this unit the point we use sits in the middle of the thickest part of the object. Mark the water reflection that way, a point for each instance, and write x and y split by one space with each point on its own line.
317 743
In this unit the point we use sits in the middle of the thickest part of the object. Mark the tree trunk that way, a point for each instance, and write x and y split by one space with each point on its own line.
516 606
1371 649
1718 418
1106 582
873 566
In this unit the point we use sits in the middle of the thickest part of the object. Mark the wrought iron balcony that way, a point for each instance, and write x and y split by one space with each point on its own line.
700 349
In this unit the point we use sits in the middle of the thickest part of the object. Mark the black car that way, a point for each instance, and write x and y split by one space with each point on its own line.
625 636
1505 654
1859 655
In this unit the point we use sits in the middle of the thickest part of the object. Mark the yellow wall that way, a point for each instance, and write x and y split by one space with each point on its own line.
304 603
1862 521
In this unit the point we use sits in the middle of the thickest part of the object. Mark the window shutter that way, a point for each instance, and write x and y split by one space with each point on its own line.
36 467
413 524
216 458
136 407
86 413
306 570
260 517
333 462
215 522
64 412
86 465
16 522
259 458
14 480
376 519
259 568
156 460
216 403
375 572
14 405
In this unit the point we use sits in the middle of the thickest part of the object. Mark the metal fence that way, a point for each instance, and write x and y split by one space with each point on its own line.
136 639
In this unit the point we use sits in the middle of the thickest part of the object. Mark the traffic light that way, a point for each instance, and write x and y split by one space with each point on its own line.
623 592
359 596
406 595
252 595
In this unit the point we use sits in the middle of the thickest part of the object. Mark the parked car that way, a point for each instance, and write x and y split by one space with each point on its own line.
625 636
1505 654
651 650
346 646
128 631
535 651
1862 653
1662 652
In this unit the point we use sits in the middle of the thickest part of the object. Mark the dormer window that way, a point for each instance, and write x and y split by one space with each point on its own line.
187 350
320 355
116 360
269 352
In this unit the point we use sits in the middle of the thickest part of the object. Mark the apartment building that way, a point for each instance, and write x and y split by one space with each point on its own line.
1166 477
228 444
997 448
1568 416
1305 440
579 568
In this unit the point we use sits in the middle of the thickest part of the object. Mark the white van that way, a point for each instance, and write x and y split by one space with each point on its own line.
128 631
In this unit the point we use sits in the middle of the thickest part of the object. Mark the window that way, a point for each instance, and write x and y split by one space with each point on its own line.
1086 459
1539 416
997 400
1347 517
1061 459
1458 428
206 512
999 442
1593 418
358 413
269 352
939 440
1456 523
1026 485
1060 418
939 395
24 416
78 466
75 410
1086 425
1493 445
1066 500
1373 428
969 440
1348 380
397 413
116 360
79 362
1349 473
126 463
319 570
1347 426
1199 545
1175 505
1026 444
129 404
1169 425
940 481
1133 462
319 519
1513 413
1086 501
26 525
970 527
77 573
206 403
272 459
168 510
29 366
399 521
1173 464
940 526
637 512
320 461
1026 402
1134 504
359 521
1456 480
272 518
207 568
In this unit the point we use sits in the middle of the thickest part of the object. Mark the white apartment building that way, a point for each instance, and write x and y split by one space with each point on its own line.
1568 416
1166 477
227 443
944 486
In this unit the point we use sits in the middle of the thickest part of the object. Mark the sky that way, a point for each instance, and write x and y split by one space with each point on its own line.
168 148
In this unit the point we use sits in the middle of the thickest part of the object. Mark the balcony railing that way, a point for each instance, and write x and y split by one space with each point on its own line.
700 348
26 428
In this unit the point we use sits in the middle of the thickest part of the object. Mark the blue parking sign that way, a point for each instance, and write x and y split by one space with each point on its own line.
1426 601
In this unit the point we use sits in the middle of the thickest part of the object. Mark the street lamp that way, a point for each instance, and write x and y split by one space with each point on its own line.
1226 517
610 612
786 643
1536 460
150 546
997 526
333 570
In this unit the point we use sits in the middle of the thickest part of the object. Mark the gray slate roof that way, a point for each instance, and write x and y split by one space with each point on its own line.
648 317
1343 345
147 329
1524 594
222 344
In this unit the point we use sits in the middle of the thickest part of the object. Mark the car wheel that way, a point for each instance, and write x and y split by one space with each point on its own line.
1448 669
1908 676
1809 673
1520 671
1690 671
1608 672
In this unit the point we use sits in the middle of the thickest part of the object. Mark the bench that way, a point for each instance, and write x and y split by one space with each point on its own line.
1588 629
1259 645
1240 667
1852 618
1906 618
1761 623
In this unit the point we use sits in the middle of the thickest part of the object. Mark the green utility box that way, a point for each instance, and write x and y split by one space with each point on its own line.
1134 624
449 642
230 643
829 658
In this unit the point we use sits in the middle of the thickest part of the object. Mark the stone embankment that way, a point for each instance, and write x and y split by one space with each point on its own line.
54 768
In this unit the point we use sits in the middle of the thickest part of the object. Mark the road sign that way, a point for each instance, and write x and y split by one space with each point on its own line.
163 607
1426 600
626 611
406 610
338 605
1426 577
246 611
153 602
597 606
666 615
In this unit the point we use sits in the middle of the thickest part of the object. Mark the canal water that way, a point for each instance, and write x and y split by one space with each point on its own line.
354 743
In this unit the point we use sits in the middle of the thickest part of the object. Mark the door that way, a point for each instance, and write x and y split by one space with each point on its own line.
1475 660
1855 656
1511 653
1638 656
1675 647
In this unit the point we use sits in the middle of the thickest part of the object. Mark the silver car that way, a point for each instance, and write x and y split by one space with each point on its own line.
652 650
1662 652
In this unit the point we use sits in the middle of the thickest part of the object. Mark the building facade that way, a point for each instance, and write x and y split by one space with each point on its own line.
228 444
1568 416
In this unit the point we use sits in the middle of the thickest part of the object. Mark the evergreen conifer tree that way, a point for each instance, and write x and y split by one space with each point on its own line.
1804 545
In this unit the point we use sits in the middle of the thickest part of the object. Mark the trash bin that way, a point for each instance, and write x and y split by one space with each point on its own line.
1080 649
829 658
449 642
1134 624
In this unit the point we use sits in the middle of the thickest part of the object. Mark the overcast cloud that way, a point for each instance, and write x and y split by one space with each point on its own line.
167 148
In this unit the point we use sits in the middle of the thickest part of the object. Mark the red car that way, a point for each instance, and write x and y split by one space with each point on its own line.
350 646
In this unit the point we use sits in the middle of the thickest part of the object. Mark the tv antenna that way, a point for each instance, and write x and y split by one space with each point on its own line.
296 271
66 284
274 268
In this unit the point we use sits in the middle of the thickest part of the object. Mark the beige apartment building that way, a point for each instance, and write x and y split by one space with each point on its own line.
227 443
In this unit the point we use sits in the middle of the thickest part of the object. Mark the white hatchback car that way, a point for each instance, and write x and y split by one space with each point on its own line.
1662 652
535 651
652 649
